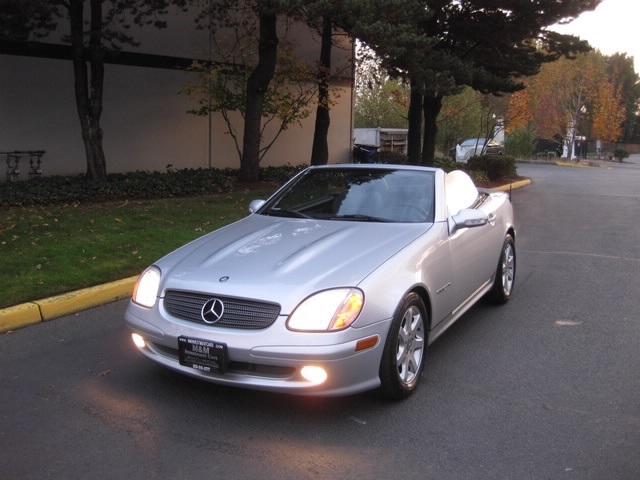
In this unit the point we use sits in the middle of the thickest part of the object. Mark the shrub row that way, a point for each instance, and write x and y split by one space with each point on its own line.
279 175
479 177
620 154
129 186
495 166
482 169
188 182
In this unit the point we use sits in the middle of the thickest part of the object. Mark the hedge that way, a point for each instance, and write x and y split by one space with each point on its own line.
129 186
496 167
189 182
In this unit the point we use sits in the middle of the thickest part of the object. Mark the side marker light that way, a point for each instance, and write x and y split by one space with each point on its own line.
366 343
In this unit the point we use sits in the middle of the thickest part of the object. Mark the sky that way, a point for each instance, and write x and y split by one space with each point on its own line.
614 26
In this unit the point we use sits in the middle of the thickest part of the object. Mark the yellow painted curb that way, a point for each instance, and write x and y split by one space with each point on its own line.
53 307
579 165
86 298
567 164
514 185
19 316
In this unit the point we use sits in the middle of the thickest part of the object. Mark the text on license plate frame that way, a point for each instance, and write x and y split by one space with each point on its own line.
203 355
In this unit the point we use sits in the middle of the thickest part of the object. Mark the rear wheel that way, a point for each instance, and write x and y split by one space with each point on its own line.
404 351
505 273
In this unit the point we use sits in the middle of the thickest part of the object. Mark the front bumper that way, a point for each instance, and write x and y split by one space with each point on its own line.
269 359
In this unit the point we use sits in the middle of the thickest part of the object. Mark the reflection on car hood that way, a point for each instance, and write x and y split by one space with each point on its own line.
272 258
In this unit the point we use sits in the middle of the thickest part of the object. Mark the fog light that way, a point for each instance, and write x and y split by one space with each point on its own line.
315 375
138 340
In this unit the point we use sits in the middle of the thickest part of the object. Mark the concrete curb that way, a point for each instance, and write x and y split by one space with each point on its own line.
49 308
513 185
576 165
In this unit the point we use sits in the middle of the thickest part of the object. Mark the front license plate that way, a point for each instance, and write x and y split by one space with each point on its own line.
202 355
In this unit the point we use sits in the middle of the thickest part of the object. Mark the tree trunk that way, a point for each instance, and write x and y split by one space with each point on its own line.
320 150
414 136
431 109
89 85
257 85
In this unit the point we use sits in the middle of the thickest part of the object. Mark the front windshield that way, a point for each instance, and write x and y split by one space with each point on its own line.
472 142
381 195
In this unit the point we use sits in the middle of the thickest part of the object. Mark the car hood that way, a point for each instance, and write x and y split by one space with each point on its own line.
284 260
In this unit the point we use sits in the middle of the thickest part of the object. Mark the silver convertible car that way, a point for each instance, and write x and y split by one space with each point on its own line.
334 285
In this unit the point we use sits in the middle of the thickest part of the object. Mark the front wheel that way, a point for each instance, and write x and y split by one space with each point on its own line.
404 351
505 273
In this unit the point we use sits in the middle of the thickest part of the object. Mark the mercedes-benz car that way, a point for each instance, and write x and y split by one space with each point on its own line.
334 285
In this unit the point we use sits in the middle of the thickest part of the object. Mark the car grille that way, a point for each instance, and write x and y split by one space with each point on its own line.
238 312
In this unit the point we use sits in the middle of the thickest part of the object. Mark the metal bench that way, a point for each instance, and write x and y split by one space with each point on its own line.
13 163
548 155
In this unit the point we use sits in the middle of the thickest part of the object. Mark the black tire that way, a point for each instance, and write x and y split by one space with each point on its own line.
503 284
404 351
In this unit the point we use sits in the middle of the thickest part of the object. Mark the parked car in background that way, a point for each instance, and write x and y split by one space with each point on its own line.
334 285
472 147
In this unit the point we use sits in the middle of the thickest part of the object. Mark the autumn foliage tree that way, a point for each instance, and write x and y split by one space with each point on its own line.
568 93
608 112
519 115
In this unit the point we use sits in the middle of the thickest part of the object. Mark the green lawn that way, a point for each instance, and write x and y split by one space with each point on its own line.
51 250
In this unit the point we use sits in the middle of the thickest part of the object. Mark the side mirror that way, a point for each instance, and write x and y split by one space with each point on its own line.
255 205
467 218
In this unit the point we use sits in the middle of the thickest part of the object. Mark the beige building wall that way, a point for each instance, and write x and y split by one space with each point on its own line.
145 121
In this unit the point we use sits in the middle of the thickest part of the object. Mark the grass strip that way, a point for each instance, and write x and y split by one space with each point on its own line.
47 251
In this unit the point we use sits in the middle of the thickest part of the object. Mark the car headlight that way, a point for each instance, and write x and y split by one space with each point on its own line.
145 291
330 310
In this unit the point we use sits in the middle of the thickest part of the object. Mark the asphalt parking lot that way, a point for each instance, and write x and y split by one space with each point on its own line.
543 387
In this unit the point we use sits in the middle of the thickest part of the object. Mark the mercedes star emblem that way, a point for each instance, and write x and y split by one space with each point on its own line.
212 310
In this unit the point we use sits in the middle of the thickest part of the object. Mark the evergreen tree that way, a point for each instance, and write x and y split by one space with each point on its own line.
444 45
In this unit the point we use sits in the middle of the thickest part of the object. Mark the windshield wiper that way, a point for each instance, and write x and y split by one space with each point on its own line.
361 218
277 212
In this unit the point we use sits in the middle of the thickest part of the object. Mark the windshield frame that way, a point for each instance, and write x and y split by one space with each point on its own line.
357 193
